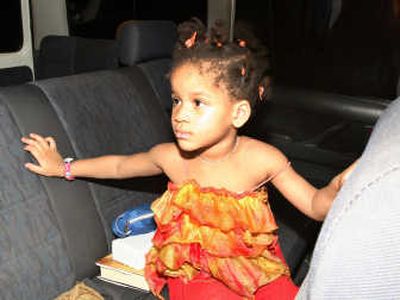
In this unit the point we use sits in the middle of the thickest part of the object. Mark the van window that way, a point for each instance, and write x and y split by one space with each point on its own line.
91 19
10 26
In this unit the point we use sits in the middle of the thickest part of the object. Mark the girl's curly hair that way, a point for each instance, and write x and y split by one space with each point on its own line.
242 65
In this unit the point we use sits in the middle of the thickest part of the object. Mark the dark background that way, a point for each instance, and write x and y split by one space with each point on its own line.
353 51
10 26
356 53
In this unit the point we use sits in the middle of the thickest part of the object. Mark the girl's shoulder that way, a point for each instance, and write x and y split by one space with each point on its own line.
165 153
258 147
164 149
169 158
263 154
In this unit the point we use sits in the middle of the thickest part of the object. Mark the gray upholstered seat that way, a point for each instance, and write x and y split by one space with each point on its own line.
68 55
110 112
149 45
357 252
53 231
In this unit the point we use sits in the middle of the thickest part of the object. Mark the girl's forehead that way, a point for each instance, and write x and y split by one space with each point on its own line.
192 67
189 79
198 71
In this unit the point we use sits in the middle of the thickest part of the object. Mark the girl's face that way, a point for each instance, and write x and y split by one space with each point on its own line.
202 111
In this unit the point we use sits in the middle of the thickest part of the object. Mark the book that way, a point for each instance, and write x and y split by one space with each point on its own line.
118 273
132 250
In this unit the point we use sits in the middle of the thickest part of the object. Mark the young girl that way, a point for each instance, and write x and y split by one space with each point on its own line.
216 236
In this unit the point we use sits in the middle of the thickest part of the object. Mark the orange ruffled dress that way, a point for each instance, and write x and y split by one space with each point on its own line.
215 244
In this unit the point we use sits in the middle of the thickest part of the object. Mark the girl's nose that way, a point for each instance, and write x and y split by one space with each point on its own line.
181 114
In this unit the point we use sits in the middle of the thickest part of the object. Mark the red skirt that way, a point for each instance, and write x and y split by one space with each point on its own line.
206 288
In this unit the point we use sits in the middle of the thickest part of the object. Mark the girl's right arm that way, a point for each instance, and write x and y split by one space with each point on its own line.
50 162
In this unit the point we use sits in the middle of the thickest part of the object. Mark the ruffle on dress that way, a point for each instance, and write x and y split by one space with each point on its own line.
228 236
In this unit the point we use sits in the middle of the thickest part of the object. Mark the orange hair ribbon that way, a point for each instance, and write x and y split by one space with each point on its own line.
242 43
189 43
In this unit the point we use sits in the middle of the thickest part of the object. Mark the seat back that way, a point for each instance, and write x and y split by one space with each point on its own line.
356 255
68 55
111 112
54 230
15 75
34 252
149 45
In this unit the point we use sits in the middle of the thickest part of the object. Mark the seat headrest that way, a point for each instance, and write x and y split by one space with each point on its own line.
140 41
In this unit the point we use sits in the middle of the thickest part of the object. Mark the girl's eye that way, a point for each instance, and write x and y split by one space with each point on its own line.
175 101
197 102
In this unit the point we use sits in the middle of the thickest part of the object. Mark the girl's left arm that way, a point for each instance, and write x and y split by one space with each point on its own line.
313 202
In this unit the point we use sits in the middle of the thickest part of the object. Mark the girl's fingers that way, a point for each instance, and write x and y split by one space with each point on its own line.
349 170
31 144
35 152
39 139
346 173
28 141
34 168
39 142
51 142
31 149
43 149
34 147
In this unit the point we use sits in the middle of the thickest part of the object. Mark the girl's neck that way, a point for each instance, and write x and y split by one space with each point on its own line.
223 153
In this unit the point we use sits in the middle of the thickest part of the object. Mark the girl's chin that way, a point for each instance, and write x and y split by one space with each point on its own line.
187 146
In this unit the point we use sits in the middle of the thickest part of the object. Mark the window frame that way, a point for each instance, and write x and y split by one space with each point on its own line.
23 56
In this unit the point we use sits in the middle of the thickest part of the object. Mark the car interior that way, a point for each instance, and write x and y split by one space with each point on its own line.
110 94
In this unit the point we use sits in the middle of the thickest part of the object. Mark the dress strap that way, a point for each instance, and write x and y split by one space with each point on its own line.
283 169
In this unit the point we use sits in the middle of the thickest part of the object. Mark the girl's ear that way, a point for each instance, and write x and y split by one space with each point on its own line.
241 113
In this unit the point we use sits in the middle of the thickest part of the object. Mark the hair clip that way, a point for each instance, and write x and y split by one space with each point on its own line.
242 43
189 43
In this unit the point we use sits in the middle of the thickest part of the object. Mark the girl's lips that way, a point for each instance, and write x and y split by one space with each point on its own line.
182 135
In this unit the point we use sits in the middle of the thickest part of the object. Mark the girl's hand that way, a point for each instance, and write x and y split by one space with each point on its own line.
340 179
44 150
323 198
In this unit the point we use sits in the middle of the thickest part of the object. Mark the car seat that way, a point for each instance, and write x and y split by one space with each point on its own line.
357 251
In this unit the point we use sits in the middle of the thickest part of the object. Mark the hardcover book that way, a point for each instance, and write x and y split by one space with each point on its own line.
116 272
